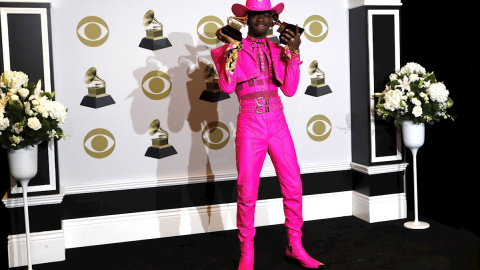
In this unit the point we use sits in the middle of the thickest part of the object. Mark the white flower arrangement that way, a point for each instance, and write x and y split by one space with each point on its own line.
28 115
414 95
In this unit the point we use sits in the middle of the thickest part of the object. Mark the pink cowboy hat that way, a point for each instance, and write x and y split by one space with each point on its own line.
255 5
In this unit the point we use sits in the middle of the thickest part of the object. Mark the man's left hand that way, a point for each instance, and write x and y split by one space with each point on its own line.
292 39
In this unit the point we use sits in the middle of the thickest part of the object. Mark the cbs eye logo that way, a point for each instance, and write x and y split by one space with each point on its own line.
316 28
215 135
319 128
99 143
92 31
156 85
206 29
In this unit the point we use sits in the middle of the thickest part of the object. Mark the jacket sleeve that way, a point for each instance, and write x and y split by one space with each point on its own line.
292 73
225 59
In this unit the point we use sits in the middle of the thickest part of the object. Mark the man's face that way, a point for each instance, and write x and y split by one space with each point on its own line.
258 23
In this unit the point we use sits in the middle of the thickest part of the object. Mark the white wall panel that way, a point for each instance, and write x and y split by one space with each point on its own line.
122 64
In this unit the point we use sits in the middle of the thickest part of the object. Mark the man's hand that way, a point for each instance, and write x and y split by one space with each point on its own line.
292 39
222 37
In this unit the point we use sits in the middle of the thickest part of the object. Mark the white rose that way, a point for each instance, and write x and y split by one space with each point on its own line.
417 111
416 102
393 76
34 123
23 92
14 97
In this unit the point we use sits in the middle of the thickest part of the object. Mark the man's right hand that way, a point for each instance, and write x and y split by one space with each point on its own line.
222 37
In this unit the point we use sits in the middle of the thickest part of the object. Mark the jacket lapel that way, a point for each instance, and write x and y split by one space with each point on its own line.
247 47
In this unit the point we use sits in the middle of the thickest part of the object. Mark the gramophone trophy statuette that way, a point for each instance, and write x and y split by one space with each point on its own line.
272 36
97 96
234 24
317 87
160 147
212 93
283 26
154 39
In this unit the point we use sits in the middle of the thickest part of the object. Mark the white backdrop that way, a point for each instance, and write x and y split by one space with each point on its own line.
123 64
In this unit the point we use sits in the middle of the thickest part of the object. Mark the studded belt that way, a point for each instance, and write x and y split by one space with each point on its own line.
261 105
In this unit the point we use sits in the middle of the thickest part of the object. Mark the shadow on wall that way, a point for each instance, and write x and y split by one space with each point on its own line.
186 73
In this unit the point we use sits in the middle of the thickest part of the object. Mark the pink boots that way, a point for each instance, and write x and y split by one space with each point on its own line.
296 251
247 256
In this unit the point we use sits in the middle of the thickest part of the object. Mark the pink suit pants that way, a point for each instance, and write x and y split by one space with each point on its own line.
258 134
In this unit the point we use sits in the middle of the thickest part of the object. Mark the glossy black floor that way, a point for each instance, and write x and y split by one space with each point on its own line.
341 243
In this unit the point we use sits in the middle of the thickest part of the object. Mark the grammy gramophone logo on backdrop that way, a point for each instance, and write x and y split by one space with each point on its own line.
160 147
156 85
97 96
319 128
99 143
154 39
215 135
92 31
316 28
318 87
206 29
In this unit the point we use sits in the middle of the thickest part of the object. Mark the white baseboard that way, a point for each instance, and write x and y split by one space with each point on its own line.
379 208
45 247
185 221
92 231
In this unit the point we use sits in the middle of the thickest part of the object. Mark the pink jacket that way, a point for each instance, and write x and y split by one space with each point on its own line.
287 71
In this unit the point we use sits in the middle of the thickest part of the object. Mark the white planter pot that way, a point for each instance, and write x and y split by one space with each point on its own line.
23 163
413 134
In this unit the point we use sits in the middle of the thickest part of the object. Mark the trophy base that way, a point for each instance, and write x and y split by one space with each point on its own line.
292 28
274 39
232 32
97 102
213 96
317 91
161 152
154 44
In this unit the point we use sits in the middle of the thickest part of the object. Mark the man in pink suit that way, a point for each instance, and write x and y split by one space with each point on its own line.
255 68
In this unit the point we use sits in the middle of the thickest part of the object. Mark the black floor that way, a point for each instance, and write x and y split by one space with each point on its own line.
341 243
